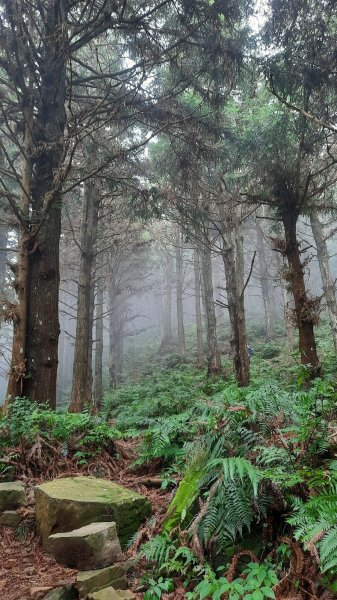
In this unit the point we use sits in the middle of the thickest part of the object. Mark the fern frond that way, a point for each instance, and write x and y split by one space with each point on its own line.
236 467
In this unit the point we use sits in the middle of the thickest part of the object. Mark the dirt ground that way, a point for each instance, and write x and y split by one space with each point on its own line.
23 564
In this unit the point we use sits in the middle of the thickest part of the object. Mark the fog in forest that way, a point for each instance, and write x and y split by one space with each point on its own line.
143 278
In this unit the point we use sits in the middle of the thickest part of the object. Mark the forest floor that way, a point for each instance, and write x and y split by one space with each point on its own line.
25 566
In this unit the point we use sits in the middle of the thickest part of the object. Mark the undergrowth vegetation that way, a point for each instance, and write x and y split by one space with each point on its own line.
35 441
261 479
252 473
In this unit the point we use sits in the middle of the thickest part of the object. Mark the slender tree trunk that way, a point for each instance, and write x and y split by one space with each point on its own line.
213 353
82 368
197 293
264 280
116 348
61 369
167 340
180 290
287 300
92 294
98 381
112 321
328 283
3 260
305 310
233 259
21 282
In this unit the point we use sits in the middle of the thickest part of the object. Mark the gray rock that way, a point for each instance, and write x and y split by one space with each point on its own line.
12 495
69 503
67 592
91 547
10 518
93 581
110 593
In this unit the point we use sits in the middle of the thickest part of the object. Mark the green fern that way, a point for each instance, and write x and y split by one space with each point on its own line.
328 550
237 468
158 550
314 522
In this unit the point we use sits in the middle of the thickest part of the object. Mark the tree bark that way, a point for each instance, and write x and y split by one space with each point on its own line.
328 283
305 308
233 259
3 260
167 340
117 318
112 317
36 327
180 291
197 293
213 353
81 393
287 301
264 280
116 351
18 367
98 380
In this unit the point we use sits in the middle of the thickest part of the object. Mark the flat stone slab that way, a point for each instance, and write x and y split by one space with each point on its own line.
93 581
38 593
69 503
91 547
110 593
10 518
12 495
68 592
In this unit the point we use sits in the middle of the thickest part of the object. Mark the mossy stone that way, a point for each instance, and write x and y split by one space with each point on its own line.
12 495
69 503
91 547
110 593
93 581
10 518
68 592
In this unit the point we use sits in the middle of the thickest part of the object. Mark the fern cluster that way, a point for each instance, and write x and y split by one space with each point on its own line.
267 454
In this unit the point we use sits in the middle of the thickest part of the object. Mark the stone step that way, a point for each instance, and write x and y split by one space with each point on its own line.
10 518
110 593
67 592
12 495
68 503
90 547
95 580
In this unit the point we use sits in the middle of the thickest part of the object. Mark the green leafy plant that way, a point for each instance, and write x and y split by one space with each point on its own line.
157 587
256 585
34 438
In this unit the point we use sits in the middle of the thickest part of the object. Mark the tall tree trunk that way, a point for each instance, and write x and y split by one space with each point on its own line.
112 320
305 308
213 353
180 291
287 300
3 259
117 317
98 380
167 340
328 283
92 295
21 281
82 369
233 260
264 279
197 293
36 331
